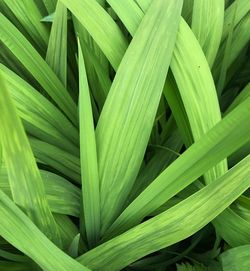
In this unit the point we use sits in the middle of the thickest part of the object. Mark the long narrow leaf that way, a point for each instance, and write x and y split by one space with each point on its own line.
55 187
104 30
31 241
25 181
226 137
29 17
89 166
42 119
173 225
207 25
57 48
41 71
123 8
128 115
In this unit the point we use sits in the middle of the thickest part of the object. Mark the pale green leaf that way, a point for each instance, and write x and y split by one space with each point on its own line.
29 17
25 180
89 166
124 8
104 30
56 158
31 241
226 137
56 55
41 118
207 25
41 71
173 225
55 187
128 114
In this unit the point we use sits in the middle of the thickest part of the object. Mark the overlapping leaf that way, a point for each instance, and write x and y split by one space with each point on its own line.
172 225
25 180
41 71
127 117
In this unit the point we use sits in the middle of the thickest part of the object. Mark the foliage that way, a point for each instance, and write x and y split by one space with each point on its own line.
124 135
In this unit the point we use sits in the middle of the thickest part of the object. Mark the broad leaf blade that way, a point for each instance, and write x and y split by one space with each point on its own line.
226 137
104 30
31 241
173 225
25 181
29 17
34 63
55 187
236 259
41 118
196 87
207 25
128 115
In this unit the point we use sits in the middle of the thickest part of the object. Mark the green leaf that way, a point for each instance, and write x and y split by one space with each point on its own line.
67 229
189 267
25 180
6 265
56 55
97 72
50 5
240 39
40 117
104 31
31 241
128 114
187 11
89 166
163 157
227 52
29 17
34 63
13 257
74 246
236 259
56 158
226 137
173 225
243 95
243 7
207 25
233 228
48 18
143 4
175 102
197 89
55 187
124 8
